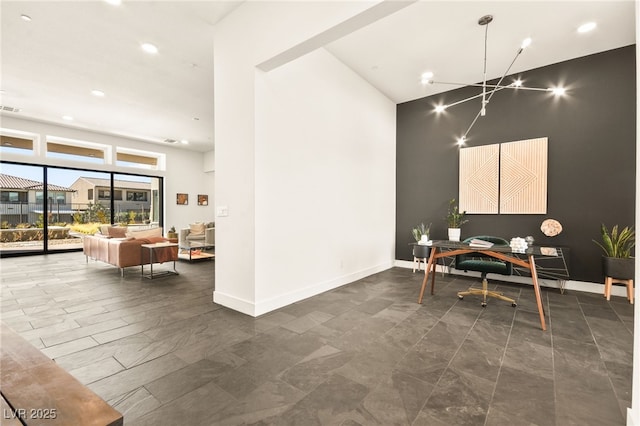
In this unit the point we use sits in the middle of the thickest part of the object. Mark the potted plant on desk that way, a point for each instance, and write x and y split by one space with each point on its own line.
455 220
617 244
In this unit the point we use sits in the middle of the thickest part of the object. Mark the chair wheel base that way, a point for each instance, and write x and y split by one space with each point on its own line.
460 297
514 304
484 304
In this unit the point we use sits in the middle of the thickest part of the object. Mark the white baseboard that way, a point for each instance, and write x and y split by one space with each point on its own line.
280 300
631 421
585 286
234 303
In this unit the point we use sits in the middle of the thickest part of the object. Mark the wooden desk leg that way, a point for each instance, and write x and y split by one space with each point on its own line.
433 275
536 289
426 274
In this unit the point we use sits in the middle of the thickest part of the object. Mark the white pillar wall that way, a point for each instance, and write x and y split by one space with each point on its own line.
633 413
276 241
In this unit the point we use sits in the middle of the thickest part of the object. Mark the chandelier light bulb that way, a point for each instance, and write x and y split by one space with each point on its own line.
526 43
440 108
461 140
558 91
517 83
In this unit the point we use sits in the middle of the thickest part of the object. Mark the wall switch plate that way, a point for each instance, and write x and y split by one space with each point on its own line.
222 211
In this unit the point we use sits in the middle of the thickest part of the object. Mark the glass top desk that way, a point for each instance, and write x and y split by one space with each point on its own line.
523 261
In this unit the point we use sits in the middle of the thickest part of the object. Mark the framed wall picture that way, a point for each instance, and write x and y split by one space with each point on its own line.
203 200
182 199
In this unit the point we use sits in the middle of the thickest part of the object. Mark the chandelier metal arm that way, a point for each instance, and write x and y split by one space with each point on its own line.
476 96
509 86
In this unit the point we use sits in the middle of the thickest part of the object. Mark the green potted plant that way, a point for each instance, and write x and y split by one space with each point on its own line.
617 245
420 248
455 220
172 233
421 232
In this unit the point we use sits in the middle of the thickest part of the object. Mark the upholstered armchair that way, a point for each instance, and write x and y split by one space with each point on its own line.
198 232
485 265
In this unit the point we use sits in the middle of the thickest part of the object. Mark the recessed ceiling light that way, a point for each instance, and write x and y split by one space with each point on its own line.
114 2
426 77
98 93
149 48
585 28
184 142
67 117
25 18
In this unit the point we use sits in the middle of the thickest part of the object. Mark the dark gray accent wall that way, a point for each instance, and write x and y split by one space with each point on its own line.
591 163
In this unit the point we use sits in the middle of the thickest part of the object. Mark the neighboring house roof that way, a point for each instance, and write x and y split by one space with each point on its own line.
14 182
129 184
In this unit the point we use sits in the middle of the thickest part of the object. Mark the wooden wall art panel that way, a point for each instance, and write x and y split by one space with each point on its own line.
478 184
523 177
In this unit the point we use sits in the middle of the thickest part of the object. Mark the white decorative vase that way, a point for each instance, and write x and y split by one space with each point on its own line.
424 239
454 234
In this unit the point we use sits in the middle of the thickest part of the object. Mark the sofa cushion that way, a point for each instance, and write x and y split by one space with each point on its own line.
145 233
117 231
196 228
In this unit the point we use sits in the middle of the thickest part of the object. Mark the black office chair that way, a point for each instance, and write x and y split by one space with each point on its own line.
485 265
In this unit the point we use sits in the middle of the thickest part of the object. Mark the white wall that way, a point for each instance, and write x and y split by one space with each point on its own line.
633 413
184 169
325 180
246 155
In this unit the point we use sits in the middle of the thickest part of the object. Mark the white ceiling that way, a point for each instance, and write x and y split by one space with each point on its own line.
51 64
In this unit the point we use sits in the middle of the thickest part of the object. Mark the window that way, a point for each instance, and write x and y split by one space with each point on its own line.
140 159
73 196
57 197
17 142
137 196
13 197
77 150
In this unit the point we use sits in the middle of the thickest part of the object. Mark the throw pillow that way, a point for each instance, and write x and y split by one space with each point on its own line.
104 229
196 228
145 233
117 231
154 240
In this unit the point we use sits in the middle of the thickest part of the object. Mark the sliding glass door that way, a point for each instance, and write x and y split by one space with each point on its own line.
71 213
21 219
48 209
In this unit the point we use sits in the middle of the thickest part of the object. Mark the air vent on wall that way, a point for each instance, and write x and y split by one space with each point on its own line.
170 141
9 109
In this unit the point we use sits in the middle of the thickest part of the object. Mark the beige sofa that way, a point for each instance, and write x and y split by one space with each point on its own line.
127 251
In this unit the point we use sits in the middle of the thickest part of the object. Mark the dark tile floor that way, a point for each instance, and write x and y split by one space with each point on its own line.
365 354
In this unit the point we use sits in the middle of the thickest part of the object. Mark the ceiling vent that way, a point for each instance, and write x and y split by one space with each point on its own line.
9 109
170 141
